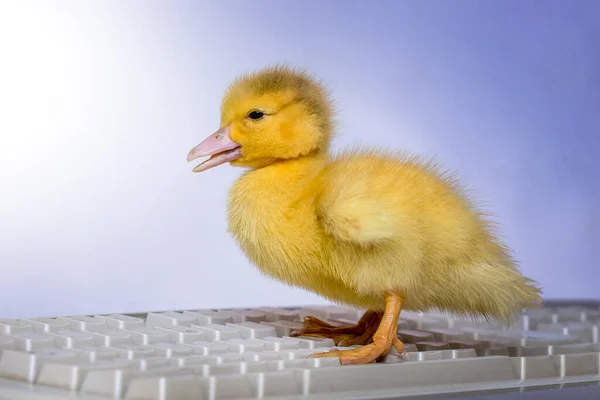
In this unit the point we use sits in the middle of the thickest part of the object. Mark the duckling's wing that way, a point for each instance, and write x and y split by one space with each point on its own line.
374 196
351 217
359 201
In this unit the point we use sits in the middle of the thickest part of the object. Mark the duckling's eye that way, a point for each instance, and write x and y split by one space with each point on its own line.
256 114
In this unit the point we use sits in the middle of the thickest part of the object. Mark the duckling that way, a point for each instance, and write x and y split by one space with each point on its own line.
376 230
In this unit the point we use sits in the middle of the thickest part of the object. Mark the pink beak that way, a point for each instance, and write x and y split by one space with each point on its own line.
219 146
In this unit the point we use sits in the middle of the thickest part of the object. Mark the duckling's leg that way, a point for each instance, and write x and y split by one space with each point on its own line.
364 338
361 333
384 338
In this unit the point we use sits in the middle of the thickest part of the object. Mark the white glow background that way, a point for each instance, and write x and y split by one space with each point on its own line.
100 102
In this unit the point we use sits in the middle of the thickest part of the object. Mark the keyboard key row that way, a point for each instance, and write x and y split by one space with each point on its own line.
412 320
25 366
243 381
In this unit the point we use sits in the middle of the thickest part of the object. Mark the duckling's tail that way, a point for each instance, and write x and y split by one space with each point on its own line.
499 291
494 290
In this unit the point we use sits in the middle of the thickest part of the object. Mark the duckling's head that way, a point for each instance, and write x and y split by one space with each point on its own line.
271 115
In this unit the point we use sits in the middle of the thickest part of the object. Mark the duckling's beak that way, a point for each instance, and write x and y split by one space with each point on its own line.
219 146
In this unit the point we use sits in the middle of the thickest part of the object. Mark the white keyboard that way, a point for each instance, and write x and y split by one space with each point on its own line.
248 354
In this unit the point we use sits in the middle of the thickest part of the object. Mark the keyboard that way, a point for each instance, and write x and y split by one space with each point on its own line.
249 354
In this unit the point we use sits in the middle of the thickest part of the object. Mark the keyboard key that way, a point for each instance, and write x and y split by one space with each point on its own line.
206 317
132 351
238 345
422 322
183 334
228 387
427 346
29 340
194 359
186 387
219 332
70 339
284 327
446 335
253 330
91 354
80 323
145 335
8 326
168 319
575 348
304 363
7 343
112 337
210 348
256 385
263 356
535 367
226 358
48 324
412 336
120 321
206 370
280 383
529 351
473 333
592 315
493 350
248 316
577 364
587 332
227 316
310 342
524 338
173 350
278 314
466 344
277 344
71 376
574 314
149 364
25 365
114 382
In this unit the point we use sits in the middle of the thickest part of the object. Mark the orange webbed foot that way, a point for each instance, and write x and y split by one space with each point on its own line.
359 334
384 337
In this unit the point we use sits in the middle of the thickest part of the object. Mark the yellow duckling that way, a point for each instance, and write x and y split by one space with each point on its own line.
372 229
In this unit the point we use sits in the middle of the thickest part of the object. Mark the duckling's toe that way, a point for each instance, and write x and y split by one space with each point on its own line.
348 335
360 355
337 334
313 322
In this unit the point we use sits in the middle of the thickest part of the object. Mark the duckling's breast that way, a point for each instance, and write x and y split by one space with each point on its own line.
275 225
